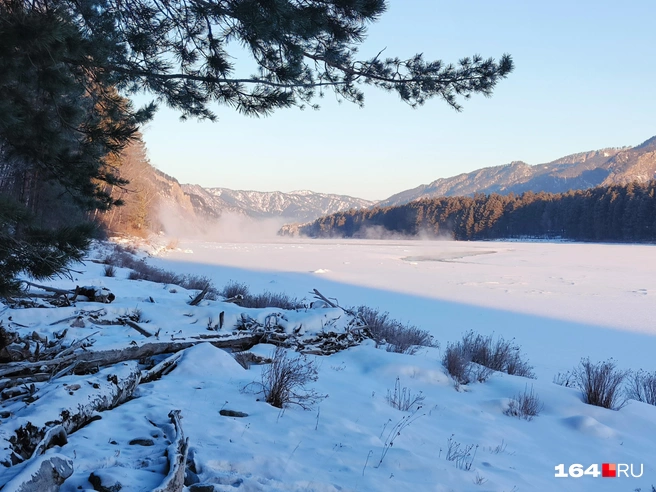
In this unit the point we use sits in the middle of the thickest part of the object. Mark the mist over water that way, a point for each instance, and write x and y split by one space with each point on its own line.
378 232
230 227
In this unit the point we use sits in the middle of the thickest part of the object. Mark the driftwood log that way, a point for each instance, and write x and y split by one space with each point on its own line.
133 324
200 296
177 455
161 369
92 293
45 474
32 430
92 359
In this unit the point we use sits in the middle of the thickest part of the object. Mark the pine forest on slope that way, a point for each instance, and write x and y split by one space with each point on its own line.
605 213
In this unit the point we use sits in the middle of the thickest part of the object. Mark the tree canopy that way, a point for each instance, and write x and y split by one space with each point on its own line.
68 68
181 52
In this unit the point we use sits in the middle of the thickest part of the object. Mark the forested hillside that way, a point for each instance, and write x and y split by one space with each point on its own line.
614 213
605 167
152 200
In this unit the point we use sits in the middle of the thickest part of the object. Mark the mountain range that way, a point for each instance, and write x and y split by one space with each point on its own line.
577 171
301 205
573 172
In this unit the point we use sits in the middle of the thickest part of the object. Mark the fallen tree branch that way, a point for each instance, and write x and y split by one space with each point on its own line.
64 320
17 367
31 430
16 381
80 314
55 436
93 359
65 371
319 295
177 454
94 294
324 298
61 292
43 474
200 296
76 345
161 369
134 325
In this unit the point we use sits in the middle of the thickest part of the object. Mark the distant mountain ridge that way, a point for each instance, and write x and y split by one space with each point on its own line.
189 204
302 205
577 171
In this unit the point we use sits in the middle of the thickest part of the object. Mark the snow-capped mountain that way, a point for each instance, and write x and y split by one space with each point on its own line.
576 171
302 205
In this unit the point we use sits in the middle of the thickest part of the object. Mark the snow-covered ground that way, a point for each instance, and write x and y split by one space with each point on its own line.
567 300
560 302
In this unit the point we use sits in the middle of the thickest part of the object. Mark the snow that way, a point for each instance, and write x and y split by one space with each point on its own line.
560 301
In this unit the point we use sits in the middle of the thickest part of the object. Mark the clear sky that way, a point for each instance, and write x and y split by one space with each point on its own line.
585 79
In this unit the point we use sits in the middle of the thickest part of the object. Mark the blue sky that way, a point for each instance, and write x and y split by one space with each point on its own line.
585 78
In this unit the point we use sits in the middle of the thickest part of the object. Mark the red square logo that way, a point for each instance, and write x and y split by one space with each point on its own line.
609 470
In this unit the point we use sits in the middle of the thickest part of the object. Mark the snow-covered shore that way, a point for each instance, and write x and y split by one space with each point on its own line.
560 302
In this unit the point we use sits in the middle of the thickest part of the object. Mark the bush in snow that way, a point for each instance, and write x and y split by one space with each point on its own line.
233 289
525 405
502 355
266 299
402 398
601 383
400 338
460 454
642 387
271 299
285 381
109 271
475 357
124 258
457 362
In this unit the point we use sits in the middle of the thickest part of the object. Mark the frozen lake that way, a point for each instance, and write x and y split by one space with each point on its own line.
570 299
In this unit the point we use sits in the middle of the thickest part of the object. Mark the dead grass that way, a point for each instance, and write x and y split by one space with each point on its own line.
140 270
402 398
476 357
525 405
642 387
399 337
285 381
601 383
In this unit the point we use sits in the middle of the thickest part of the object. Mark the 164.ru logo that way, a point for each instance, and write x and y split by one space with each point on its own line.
607 470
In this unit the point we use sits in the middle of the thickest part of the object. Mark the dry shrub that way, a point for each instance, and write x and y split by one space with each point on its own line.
525 405
285 381
457 362
266 299
475 357
601 383
140 270
109 271
642 387
460 454
271 299
233 289
502 355
402 398
400 338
